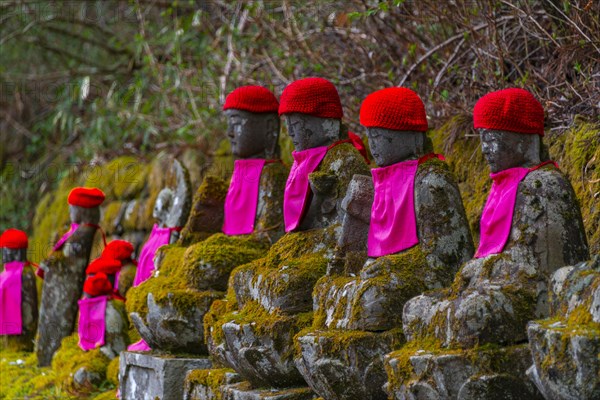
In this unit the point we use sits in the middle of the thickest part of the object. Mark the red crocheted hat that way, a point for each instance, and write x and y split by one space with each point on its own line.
312 96
86 197
514 110
13 239
256 99
97 285
108 266
397 108
118 249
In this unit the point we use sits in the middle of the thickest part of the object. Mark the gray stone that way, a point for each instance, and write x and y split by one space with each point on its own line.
175 329
264 359
565 349
182 198
455 374
148 376
243 391
492 298
195 390
346 364
63 284
29 303
116 335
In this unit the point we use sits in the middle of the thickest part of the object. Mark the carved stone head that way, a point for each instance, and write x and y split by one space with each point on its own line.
307 131
162 206
83 215
503 150
9 255
253 135
389 147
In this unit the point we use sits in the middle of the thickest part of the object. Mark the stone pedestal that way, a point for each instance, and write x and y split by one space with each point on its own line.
243 391
151 377
474 374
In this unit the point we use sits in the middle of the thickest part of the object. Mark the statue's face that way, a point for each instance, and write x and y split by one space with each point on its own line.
162 205
307 131
81 215
389 147
503 150
251 134
9 255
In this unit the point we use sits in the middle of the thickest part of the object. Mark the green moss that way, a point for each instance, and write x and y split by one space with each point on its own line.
110 214
70 358
577 151
211 378
402 369
120 178
112 371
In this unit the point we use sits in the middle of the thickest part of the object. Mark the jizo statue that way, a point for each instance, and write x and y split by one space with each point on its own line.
64 272
530 226
409 250
19 307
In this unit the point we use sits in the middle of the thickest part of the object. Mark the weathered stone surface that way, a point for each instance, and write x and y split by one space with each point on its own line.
208 384
116 335
284 279
260 346
206 215
29 304
148 376
565 348
243 391
176 327
63 285
492 298
182 196
346 364
126 276
460 374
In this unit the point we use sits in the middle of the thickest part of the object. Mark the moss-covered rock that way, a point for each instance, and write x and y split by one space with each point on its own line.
344 364
77 371
207 384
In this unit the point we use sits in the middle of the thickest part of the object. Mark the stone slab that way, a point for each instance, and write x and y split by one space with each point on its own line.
244 391
155 377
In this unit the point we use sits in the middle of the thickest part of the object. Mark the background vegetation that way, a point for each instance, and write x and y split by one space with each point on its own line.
85 81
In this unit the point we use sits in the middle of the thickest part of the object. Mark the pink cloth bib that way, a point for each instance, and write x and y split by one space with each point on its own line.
92 322
297 189
158 237
65 237
242 197
393 226
140 345
496 219
10 295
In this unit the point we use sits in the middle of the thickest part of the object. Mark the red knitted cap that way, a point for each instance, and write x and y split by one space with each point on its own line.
313 96
97 285
256 99
513 110
86 197
109 266
13 239
118 249
397 108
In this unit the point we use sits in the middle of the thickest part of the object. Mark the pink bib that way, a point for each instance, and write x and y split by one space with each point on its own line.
297 189
65 237
393 225
158 237
140 345
92 322
496 219
242 197
10 295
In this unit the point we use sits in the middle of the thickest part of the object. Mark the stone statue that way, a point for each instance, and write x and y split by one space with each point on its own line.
19 308
531 226
565 347
416 237
269 300
102 318
252 211
64 272
122 250
171 209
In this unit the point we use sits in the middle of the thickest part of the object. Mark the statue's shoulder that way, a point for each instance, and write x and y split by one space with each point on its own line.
344 159
435 173
548 181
